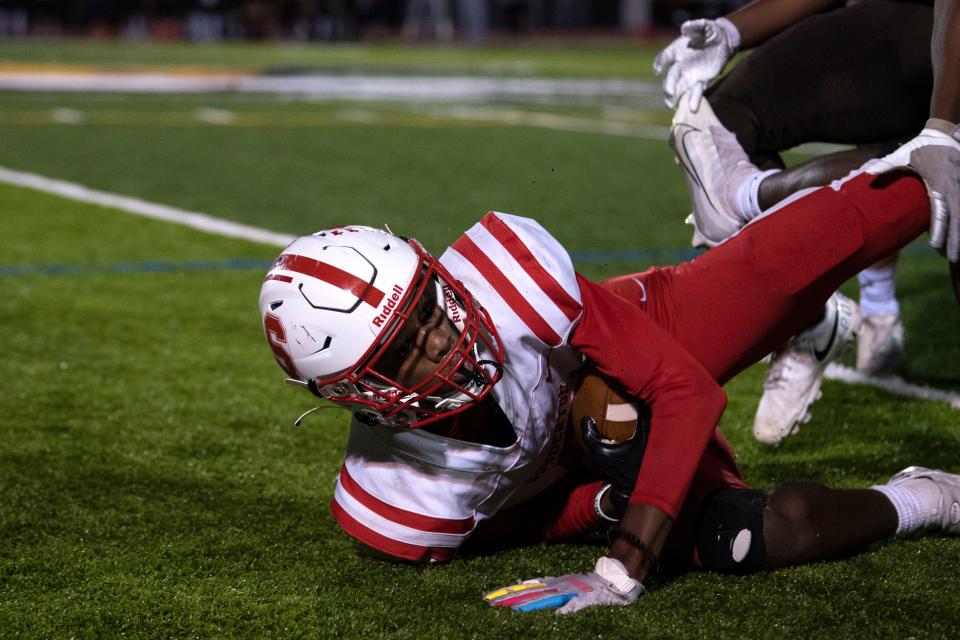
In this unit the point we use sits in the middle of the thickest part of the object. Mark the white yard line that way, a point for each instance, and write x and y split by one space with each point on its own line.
346 86
545 120
218 226
897 386
193 219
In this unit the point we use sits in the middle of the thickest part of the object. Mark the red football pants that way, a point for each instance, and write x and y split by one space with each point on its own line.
747 296
744 298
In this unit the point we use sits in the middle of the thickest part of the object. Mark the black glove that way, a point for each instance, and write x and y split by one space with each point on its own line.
618 462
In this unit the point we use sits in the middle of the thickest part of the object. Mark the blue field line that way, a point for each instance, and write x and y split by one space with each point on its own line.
657 256
152 266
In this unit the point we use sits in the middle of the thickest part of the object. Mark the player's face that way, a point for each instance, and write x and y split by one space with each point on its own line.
421 343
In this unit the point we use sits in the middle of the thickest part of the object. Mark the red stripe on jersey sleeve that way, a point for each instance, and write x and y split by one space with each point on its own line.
400 516
331 275
515 246
380 542
502 285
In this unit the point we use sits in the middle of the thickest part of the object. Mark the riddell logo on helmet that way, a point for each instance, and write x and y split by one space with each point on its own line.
389 306
452 305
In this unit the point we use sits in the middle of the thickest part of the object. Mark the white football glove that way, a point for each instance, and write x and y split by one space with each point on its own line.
934 155
696 58
608 584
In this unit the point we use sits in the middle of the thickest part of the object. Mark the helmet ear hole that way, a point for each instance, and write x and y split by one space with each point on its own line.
276 305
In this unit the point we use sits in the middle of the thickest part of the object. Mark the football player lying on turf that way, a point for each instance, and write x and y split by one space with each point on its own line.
459 373
858 74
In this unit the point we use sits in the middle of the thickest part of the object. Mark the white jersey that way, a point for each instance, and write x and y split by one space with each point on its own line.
416 495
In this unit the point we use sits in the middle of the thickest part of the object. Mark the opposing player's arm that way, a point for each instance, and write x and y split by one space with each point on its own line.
934 154
704 47
945 53
762 19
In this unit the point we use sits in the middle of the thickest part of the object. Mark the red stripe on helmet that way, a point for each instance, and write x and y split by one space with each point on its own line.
400 516
331 275
502 285
515 246
278 276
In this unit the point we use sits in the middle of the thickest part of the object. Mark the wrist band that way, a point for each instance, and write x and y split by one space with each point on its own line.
649 557
596 504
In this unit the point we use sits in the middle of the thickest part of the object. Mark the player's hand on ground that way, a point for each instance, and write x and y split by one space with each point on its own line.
695 58
935 156
608 584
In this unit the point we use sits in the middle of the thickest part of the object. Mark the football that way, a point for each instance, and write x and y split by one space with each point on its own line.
603 399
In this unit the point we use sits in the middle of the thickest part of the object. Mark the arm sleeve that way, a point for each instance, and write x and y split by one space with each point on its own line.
685 401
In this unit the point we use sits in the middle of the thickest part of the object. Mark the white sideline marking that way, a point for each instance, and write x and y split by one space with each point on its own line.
346 87
898 386
215 116
192 219
218 226
519 117
67 116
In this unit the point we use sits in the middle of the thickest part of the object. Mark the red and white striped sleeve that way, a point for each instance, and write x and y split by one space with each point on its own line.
398 532
530 273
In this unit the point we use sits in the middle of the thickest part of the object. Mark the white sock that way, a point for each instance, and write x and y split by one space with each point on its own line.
878 291
748 195
908 505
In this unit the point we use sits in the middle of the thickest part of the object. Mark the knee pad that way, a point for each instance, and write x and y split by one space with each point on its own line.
730 531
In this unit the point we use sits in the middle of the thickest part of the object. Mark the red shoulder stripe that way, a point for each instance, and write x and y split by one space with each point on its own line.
522 254
482 263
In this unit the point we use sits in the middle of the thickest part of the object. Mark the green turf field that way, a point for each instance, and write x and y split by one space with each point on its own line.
153 484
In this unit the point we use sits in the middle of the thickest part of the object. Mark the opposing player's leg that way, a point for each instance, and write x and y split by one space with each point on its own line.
880 345
810 522
726 191
743 530
797 369
857 75
721 179
816 172
725 525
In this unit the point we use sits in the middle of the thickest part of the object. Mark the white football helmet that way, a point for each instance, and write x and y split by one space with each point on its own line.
332 303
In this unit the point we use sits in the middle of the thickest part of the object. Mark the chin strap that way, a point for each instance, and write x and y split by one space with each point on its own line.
296 423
